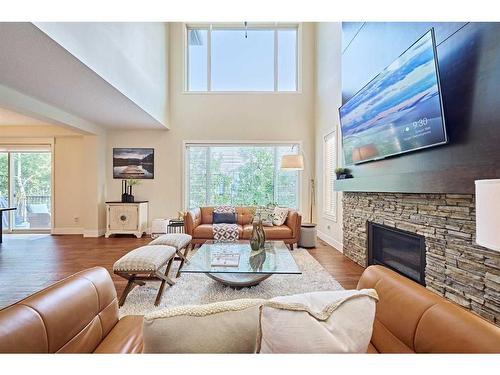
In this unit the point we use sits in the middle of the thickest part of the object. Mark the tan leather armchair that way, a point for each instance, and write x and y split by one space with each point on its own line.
76 315
412 319
198 224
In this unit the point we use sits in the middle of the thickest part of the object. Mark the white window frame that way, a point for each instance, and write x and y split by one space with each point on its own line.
47 144
329 192
185 172
239 26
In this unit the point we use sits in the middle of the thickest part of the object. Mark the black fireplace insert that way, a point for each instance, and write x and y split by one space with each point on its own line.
402 251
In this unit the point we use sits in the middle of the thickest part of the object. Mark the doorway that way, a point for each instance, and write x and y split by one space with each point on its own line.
26 183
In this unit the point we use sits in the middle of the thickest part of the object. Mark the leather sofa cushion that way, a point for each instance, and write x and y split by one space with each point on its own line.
207 215
247 232
73 315
451 329
244 215
22 331
203 231
400 307
278 232
126 337
410 318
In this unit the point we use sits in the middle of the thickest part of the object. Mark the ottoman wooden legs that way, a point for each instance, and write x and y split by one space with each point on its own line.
164 279
139 278
144 263
183 258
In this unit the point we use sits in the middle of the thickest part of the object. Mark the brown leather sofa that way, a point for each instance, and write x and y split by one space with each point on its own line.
412 319
80 315
198 224
76 315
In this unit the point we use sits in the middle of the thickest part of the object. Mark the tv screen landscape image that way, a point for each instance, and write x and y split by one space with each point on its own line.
400 110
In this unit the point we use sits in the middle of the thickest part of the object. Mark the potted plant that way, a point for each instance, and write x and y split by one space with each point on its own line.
342 173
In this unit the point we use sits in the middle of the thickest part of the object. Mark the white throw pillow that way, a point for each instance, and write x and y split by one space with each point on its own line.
279 215
318 322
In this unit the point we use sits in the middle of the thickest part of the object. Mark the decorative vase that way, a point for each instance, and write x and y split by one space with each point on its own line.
124 191
130 197
257 259
262 235
255 238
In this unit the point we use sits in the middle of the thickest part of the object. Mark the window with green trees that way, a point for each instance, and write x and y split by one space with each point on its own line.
26 183
239 174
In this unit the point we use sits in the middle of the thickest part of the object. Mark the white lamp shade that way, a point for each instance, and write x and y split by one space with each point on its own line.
292 162
488 213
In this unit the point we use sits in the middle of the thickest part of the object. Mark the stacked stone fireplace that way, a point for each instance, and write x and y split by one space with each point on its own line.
455 267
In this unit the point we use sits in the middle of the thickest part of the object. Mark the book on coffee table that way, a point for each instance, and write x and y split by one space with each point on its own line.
225 260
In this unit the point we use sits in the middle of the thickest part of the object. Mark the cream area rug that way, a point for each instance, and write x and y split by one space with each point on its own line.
193 288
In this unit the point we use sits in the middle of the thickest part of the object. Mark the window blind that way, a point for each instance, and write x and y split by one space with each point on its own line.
239 174
330 163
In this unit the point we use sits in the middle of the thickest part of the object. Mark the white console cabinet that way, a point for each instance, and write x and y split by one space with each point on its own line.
126 218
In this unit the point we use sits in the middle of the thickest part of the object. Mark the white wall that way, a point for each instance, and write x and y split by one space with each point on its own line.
94 193
215 117
69 185
328 98
131 56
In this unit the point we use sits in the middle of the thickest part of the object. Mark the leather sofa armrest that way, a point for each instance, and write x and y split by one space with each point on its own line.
191 220
293 221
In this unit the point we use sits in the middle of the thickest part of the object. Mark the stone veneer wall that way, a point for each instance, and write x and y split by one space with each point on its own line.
457 268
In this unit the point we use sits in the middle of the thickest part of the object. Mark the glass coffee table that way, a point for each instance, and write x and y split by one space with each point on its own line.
246 267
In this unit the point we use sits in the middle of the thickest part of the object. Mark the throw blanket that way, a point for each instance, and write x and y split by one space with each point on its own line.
225 232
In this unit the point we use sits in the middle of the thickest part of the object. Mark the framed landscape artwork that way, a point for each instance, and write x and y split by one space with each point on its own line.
134 163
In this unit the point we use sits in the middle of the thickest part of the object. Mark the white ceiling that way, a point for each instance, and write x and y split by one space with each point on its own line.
10 118
35 65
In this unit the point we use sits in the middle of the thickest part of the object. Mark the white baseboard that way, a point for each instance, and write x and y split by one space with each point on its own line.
67 230
331 241
93 232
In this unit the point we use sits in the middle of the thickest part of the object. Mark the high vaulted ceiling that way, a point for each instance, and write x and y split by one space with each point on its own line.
11 118
33 64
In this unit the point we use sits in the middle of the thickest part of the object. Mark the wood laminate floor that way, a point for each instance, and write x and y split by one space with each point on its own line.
29 263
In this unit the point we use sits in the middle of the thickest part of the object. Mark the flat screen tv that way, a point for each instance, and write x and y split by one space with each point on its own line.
398 111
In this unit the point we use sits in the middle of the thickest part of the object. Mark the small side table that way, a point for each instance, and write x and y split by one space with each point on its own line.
175 226
307 235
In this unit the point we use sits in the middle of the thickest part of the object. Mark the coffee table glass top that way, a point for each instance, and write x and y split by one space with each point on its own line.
275 258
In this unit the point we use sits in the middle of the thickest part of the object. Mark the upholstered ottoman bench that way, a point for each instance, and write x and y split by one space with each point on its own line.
144 263
180 241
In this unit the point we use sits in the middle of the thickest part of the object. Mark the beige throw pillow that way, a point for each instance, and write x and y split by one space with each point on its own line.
265 214
318 322
279 215
221 327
